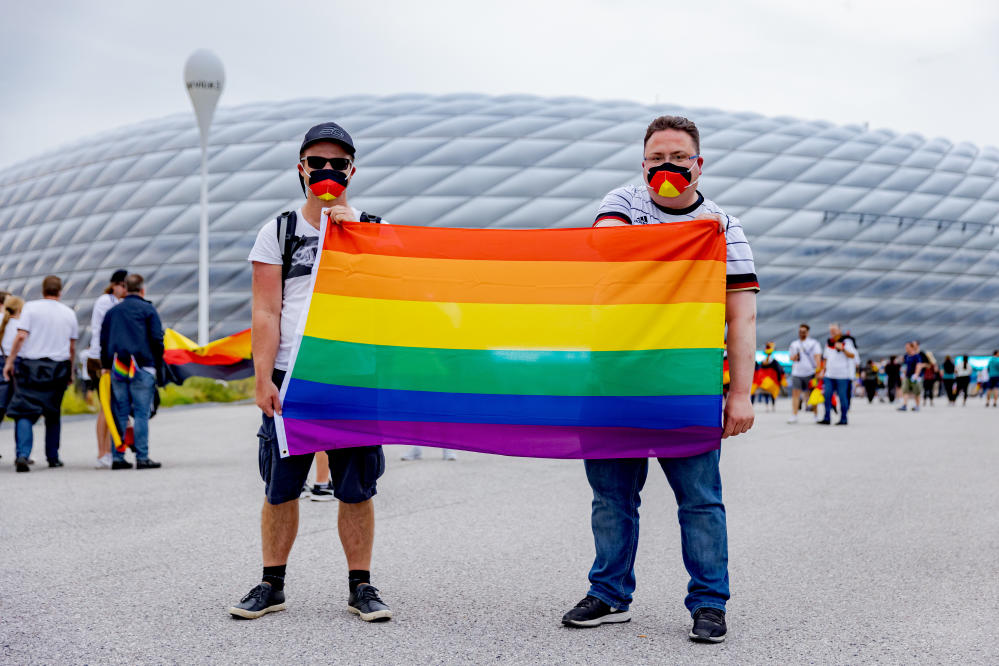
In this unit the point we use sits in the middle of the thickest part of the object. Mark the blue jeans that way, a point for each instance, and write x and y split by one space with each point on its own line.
24 437
135 397
841 387
696 483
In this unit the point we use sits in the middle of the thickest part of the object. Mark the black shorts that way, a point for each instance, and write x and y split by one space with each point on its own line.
354 472
93 374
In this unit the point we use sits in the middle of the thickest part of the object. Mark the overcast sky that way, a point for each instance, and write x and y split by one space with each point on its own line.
69 69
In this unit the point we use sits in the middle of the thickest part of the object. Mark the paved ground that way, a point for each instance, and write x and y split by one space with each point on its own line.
873 543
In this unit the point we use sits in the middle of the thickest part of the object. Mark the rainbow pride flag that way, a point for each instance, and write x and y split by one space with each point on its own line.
554 343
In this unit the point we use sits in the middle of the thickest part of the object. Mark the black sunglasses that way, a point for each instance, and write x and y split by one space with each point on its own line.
11 311
337 163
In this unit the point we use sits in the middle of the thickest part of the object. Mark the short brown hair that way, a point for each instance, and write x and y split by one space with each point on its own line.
51 285
133 283
675 123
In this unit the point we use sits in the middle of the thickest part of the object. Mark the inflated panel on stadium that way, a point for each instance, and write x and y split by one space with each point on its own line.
893 235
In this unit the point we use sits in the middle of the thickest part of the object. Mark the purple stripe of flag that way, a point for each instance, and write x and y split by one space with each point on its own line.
306 436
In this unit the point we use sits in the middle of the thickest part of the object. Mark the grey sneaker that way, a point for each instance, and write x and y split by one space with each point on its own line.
709 625
321 492
366 603
591 612
259 601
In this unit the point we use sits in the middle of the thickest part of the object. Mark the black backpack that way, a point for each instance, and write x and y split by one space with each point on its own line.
290 243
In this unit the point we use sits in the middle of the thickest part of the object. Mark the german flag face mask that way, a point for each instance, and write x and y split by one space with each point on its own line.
327 184
670 180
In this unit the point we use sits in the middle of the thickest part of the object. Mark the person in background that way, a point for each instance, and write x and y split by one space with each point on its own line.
962 378
322 489
930 374
993 369
915 363
132 351
47 331
893 377
8 331
947 372
113 293
982 382
837 372
869 378
806 355
416 453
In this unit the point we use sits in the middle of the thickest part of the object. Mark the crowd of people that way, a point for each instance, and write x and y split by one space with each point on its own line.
827 377
38 343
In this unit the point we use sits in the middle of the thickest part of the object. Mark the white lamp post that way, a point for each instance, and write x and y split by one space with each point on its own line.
205 78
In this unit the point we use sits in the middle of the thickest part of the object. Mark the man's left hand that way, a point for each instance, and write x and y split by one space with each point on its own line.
738 416
722 222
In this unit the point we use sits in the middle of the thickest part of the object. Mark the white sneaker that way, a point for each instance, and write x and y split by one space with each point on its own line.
104 462
450 455
414 454
793 419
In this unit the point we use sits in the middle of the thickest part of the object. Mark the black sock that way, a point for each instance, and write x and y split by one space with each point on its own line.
357 576
275 576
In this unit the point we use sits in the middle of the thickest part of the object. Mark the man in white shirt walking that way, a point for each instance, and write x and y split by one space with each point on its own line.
45 346
806 355
837 372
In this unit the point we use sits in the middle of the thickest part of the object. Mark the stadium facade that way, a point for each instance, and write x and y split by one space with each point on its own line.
893 235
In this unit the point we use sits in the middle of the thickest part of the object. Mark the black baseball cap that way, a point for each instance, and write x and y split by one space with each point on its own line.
328 132
119 275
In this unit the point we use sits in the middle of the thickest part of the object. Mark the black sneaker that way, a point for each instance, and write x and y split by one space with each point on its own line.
147 464
21 465
709 625
121 464
366 603
591 612
261 600
321 492
56 463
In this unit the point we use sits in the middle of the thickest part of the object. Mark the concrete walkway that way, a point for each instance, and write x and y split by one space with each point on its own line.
878 542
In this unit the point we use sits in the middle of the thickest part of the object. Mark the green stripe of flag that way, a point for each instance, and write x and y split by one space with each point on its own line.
662 372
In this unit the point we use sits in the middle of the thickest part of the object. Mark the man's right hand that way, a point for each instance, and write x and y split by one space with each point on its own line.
8 370
339 213
268 397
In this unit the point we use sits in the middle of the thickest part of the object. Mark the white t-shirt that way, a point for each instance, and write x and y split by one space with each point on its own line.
298 285
806 350
9 334
104 303
50 326
634 205
838 364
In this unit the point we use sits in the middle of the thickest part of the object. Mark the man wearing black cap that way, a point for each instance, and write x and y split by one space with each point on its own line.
282 257
113 293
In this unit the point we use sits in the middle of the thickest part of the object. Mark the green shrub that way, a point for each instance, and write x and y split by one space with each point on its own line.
203 389
73 402
194 390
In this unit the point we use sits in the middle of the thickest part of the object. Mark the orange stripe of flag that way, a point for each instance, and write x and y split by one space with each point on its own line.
536 282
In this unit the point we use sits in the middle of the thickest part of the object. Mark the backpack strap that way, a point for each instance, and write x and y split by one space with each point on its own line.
287 241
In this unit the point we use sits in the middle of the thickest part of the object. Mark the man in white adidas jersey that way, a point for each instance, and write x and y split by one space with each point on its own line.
670 171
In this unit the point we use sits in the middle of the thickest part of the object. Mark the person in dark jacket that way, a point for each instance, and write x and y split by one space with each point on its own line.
132 351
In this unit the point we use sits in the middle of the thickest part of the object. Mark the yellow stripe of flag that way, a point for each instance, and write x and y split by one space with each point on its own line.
516 326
